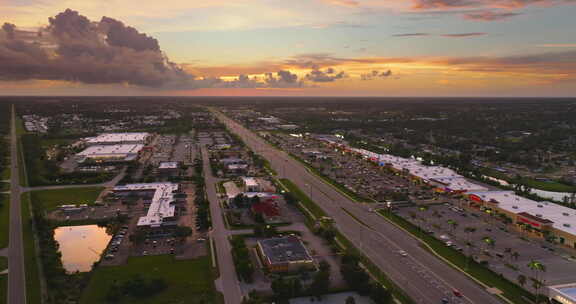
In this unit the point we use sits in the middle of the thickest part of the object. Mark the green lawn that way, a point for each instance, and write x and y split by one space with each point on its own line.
31 262
20 130
548 185
4 219
510 290
3 263
5 173
303 198
50 199
189 281
4 187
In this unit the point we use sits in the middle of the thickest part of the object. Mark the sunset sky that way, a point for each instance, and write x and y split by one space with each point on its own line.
288 47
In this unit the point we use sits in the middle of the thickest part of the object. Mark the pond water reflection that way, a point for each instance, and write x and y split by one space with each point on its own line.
81 246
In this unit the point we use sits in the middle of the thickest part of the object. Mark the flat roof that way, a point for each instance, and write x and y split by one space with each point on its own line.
118 137
566 291
458 183
250 181
231 189
169 165
287 249
111 150
162 202
509 201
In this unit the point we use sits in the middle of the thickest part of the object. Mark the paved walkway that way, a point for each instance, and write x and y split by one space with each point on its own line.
228 282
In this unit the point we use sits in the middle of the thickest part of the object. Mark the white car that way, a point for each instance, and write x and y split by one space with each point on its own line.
402 253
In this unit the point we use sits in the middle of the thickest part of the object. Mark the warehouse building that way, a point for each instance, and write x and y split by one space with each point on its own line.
538 219
162 214
110 153
118 139
284 254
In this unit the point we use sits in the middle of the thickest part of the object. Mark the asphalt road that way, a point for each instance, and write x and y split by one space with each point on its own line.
228 282
422 275
16 278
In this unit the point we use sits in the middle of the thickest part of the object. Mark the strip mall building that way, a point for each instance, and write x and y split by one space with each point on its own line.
536 219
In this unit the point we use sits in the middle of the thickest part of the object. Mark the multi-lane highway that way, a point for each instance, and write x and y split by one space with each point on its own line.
422 275
16 279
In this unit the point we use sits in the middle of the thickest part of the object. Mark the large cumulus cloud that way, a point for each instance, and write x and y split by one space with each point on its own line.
73 48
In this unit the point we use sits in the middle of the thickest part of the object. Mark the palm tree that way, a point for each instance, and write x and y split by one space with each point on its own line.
453 224
469 230
539 269
489 242
521 280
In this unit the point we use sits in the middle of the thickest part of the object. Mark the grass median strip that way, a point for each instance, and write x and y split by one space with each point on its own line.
303 198
33 287
510 290
4 219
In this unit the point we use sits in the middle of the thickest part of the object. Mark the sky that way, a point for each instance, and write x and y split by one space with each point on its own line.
288 47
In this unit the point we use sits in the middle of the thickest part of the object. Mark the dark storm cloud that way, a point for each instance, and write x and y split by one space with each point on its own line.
126 36
463 35
376 75
411 35
73 48
328 75
9 29
283 79
490 15
481 10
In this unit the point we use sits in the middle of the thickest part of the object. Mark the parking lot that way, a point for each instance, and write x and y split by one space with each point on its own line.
504 248
367 179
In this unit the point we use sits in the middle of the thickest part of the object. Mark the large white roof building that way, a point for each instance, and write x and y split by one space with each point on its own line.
118 138
162 206
563 218
127 152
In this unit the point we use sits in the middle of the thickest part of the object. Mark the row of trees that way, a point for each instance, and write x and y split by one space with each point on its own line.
137 287
242 260
202 204
359 280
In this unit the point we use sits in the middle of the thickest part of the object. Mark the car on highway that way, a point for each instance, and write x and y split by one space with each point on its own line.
402 253
457 293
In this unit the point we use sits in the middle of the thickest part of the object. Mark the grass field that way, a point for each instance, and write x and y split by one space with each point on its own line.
189 281
30 261
5 173
510 290
50 199
20 130
4 219
552 186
